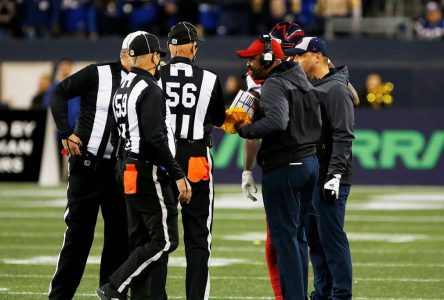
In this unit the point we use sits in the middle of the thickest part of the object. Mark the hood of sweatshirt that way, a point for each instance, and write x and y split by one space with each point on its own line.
336 76
293 73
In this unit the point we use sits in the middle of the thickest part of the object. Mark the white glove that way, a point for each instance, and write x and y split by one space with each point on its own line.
248 185
331 187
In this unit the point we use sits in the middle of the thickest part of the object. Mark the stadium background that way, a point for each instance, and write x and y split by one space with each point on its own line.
396 211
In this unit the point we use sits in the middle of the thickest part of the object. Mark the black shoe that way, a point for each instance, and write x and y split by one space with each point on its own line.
107 292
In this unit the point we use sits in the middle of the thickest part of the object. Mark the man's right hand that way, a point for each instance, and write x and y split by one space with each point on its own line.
72 144
184 188
248 185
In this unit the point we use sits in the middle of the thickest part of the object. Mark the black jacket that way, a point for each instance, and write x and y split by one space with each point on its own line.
290 118
95 84
334 150
140 113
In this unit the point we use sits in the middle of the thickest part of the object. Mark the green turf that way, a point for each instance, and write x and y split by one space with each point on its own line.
411 267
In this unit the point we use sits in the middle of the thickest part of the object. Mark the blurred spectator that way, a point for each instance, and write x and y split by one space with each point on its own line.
235 18
377 94
431 27
143 15
305 10
39 18
62 69
282 10
7 14
38 99
232 85
78 17
340 9
171 10
110 17
209 16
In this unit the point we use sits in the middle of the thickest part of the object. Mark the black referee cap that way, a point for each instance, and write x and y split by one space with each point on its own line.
183 33
144 44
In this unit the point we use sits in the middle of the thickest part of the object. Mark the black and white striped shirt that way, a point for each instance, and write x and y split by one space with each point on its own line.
141 116
95 84
194 96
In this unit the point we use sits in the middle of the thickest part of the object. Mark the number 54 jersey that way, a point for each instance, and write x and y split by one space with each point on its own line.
195 99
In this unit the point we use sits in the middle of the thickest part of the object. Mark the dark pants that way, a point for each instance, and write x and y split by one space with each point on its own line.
329 247
197 218
287 193
153 233
91 186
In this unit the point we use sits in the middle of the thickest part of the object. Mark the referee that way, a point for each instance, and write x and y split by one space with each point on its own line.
194 96
91 180
140 111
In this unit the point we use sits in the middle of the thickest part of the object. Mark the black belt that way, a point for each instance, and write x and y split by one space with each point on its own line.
206 141
132 155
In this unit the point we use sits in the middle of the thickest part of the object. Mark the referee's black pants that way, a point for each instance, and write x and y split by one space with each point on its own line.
153 230
91 185
197 216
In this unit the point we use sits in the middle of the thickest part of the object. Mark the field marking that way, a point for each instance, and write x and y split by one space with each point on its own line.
36 234
410 197
394 219
215 262
215 297
253 249
36 203
387 237
262 278
352 236
4 215
402 251
31 215
95 260
401 201
259 236
397 265
33 193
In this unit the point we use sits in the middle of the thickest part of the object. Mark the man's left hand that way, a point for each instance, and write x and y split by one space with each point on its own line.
331 187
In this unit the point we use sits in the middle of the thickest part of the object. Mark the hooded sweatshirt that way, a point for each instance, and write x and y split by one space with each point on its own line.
334 149
289 120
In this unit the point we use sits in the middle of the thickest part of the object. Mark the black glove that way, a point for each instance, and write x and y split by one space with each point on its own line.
331 187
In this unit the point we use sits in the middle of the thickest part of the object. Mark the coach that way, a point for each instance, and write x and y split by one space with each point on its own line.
289 125
329 247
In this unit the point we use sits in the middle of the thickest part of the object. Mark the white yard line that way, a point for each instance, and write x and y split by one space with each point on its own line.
261 278
33 193
31 215
214 297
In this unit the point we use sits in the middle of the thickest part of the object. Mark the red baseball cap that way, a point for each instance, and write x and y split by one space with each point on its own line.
258 47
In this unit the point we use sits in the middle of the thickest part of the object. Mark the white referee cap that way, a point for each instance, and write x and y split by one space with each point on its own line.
130 37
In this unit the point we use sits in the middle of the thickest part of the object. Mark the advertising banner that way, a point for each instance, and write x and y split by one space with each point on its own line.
392 147
21 144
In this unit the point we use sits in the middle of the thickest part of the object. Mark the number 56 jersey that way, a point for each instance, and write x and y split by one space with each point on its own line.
195 99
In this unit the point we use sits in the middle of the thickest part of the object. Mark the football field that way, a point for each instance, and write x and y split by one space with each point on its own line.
396 236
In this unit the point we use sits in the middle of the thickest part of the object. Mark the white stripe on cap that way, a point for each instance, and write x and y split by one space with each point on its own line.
148 44
304 43
189 35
